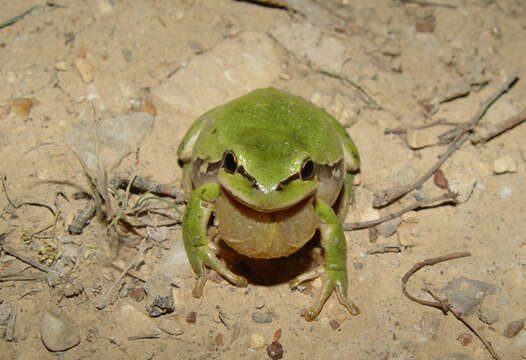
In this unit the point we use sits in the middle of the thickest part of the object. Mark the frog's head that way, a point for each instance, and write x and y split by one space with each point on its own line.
268 171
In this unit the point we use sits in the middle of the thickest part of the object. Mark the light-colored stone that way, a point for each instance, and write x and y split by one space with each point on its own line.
504 164
61 66
410 217
421 138
215 77
58 331
308 42
369 214
463 188
132 322
85 70
111 140
257 340
388 228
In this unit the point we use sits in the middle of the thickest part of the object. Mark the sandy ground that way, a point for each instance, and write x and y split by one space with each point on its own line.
372 64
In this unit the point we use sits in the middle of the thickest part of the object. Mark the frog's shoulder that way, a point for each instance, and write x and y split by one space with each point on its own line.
186 147
350 152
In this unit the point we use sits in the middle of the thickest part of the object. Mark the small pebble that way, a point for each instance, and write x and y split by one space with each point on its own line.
420 138
21 106
85 69
514 328
275 350
357 180
334 324
58 331
370 214
257 341
5 109
61 66
465 339
440 179
277 335
488 316
285 76
137 294
149 108
219 340
504 164
373 235
191 317
127 55
159 294
410 217
259 303
260 318
505 192
388 228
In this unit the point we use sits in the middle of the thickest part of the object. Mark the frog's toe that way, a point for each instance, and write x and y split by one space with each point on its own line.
348 304
331 281
208 257
197 291
309 275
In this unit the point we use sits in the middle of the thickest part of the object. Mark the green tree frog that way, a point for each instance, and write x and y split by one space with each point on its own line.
272 169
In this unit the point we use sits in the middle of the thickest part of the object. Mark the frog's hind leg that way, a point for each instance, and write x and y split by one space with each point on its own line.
334 272
199 249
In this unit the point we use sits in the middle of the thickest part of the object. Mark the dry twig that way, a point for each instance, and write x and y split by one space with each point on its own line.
417 205
430 3
499 128
453 134
24 203
456 136
143 184
440 303
103 302
385 248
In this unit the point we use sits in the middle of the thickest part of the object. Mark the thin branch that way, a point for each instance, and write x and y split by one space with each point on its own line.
430 3
29 203
429 262
448 307
499 128
22 258
458 135
417 205
451 135
103 302
403 130
146 185
175 282
385 248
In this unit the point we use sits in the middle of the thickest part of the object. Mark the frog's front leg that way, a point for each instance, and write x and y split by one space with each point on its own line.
199 249
334 272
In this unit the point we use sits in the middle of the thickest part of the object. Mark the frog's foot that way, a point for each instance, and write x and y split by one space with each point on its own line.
206 255
331 280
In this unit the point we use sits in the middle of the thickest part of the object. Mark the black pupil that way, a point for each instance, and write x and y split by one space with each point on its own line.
307 170
230 163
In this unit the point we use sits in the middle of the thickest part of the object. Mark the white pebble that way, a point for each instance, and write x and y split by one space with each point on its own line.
504 164
257 341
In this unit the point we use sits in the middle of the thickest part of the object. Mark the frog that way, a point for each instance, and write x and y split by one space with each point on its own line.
269 170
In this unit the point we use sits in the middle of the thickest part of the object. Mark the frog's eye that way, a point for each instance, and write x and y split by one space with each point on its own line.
230 162
307 169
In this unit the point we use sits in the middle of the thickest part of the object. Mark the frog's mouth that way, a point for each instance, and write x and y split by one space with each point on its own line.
287 196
